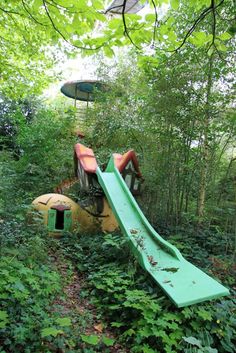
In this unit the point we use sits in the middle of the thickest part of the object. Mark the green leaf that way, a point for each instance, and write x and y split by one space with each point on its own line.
172 36
114 23
199 38
205 315
150 17
129 332
146 331
3 318
3 315
91 339
108 341
210 51
50 331
98 4
146 349
210 350
3 324
174 4
170 21
193 341
224 36
117 324
19 285
65 321
100 17
108 52
164 29
36 5
221 47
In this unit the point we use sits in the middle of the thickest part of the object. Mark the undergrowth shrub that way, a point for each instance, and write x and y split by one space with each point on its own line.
142 317
208 248
28 285
26 290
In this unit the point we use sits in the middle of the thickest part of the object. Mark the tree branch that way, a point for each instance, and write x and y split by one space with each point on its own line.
209 9
213 25
214 29
31 16
10 12
156 21
62 35
125 26
213 21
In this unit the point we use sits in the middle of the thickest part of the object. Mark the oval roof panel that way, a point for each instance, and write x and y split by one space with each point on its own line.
82 90
131 6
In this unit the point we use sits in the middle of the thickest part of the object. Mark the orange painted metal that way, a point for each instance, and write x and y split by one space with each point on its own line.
121 161
86 157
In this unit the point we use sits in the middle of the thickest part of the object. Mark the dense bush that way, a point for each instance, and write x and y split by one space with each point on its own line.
29 281
28 285
46 158
144 319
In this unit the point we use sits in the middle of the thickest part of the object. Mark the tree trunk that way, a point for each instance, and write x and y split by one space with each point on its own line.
205 145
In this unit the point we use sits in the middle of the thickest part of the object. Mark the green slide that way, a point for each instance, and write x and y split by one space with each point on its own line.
184 283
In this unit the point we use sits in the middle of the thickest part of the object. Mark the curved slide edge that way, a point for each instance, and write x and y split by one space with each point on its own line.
184 283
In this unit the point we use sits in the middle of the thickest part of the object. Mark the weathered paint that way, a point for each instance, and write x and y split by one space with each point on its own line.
84 221
86 157
122 160
46 204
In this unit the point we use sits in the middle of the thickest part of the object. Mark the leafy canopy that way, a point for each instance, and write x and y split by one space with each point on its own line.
35 33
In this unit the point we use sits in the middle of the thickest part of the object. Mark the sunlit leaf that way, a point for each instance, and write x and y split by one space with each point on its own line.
65 321
108 341
224 36
90 339
174 4
50 331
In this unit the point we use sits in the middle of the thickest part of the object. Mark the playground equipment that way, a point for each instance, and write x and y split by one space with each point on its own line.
61 214
111 203
118 6
85 168
82 90
184 283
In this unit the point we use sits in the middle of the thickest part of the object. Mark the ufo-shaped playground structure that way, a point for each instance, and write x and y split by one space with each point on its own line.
82 90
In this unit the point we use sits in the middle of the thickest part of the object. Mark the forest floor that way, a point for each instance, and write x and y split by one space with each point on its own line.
73 303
